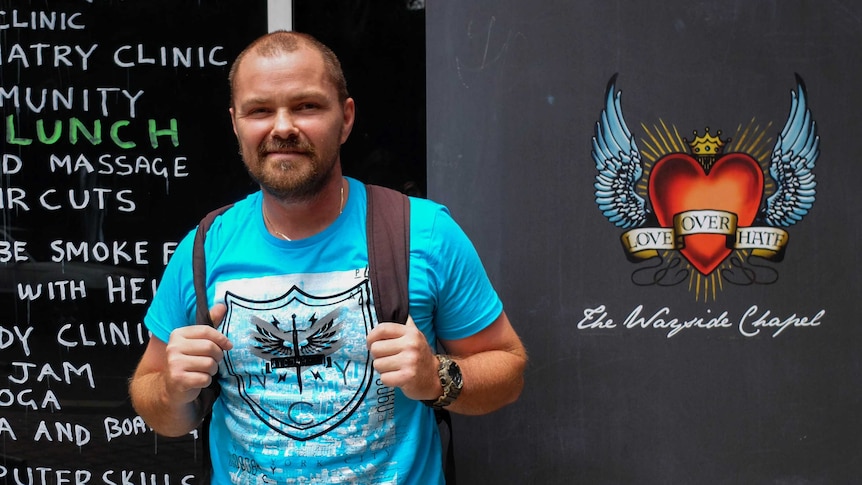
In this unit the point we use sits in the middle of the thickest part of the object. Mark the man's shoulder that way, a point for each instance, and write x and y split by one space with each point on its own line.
229 220
431 224
423 212
240 208
426 209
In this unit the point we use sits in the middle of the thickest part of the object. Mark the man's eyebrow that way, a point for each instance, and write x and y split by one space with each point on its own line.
309 93
254 100
302 95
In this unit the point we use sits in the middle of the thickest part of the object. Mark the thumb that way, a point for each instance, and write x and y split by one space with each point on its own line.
410 322
217 313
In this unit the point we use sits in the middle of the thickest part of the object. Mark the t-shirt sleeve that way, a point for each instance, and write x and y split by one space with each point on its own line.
466 300
173 304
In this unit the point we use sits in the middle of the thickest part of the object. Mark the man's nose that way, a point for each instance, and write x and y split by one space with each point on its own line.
284 125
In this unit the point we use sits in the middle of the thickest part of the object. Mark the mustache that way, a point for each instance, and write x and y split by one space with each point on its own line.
290 144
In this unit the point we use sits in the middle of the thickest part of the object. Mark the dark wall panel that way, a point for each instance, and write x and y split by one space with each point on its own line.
764 383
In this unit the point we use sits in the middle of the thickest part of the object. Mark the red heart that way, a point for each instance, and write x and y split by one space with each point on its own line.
679 183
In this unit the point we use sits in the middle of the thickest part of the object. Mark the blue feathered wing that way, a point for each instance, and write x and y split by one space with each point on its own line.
792 164
619 166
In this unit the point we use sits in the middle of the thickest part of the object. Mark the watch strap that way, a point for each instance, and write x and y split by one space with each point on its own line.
450 379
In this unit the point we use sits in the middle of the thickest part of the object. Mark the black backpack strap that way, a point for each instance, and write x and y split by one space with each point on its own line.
389 252
389 270
199 266
202 317
444 419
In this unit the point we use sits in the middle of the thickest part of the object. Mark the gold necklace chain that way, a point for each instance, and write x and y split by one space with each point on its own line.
269 223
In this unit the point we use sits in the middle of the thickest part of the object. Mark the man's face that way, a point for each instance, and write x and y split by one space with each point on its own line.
289 122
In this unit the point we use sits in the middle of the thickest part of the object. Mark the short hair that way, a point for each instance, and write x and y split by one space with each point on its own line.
282 41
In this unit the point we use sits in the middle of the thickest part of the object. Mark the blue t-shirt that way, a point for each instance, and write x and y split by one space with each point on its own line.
300 401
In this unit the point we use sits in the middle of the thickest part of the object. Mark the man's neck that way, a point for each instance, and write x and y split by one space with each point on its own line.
292 220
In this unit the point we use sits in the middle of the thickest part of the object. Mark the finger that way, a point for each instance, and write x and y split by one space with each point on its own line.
382 348
190 364
192 373
203 365
204 348
395 363
385 331
407 350
397 377
208 338
205 332
193 366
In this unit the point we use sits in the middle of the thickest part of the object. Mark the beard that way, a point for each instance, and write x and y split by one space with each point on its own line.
290 180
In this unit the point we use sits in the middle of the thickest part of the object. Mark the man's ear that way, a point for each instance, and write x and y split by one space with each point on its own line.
232 119
349 110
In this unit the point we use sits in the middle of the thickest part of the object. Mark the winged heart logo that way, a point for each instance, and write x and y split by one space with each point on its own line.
712 205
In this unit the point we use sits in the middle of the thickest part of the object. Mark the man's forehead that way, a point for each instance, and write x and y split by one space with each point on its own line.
258 75
303 53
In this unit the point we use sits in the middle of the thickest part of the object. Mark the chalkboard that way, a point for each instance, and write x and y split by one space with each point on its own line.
116 141
764 385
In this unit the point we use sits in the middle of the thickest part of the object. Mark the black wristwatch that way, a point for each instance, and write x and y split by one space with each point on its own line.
450 379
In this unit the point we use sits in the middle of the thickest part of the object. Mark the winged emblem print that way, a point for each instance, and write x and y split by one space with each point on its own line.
300 362
294 347
707 204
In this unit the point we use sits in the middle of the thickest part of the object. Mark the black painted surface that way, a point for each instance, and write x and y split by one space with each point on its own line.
515 90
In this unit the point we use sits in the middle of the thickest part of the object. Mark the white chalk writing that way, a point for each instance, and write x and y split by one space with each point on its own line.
750 324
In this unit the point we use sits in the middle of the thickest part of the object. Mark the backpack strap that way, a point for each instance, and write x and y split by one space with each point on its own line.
199 266
202 317
388 230
389 271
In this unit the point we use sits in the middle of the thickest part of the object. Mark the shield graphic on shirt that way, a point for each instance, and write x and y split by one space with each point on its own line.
300 361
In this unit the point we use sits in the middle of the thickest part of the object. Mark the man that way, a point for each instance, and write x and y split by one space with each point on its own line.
313 390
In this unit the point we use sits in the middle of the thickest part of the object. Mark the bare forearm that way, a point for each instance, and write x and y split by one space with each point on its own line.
492 379
166 417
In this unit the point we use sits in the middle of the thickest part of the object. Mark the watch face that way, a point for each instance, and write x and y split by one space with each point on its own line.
455 374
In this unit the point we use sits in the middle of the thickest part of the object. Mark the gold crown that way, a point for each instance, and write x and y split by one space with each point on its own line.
707 144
